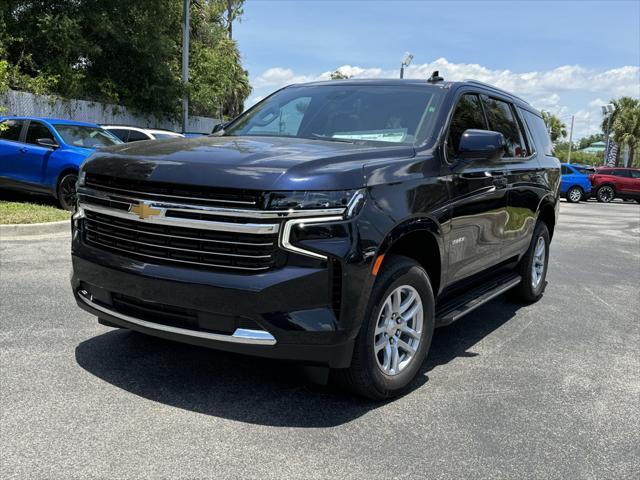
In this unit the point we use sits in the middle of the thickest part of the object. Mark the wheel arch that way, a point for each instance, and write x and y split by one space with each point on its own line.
65 171
547 214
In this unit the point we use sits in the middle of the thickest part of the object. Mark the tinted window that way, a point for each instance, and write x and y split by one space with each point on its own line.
136 136
565 170
468 115
539 131
376 114
586 170
605 172
622 173
37 130
121 133
635 173
11 130
502 119
84 136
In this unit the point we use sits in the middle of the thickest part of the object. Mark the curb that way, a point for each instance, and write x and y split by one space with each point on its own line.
30 229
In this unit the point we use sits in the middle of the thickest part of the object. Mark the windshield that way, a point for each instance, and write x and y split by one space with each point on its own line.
377 114
87 137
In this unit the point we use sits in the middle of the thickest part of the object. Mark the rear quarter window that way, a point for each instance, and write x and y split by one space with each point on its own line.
11 130
539 132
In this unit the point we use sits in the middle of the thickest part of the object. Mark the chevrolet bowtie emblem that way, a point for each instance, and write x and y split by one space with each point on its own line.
144 211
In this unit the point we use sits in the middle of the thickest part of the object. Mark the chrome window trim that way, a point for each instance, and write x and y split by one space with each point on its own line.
240 335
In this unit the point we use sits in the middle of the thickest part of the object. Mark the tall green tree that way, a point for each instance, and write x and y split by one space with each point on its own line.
557 129
124 52
625 124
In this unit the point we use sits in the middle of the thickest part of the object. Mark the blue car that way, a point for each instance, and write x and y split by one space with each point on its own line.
575 184
43 155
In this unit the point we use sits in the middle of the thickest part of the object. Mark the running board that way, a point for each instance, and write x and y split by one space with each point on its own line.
459 306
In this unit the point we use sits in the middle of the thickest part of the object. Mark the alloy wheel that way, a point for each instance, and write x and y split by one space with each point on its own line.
575 195
398 330
538 263
605 194
67 192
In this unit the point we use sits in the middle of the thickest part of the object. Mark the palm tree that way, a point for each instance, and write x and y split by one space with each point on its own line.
557 129
625 123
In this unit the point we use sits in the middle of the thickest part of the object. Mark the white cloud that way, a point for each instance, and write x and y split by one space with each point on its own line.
544 89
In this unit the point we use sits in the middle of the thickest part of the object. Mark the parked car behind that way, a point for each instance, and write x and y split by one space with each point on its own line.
43 155
609 183
135 134
575 185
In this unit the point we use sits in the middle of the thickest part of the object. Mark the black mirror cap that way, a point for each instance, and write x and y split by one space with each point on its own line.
47 142
220 126
481 145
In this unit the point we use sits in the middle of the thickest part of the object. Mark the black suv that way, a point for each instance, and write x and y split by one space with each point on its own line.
334 223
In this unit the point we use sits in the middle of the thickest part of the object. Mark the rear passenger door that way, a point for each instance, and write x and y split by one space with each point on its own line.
521 169
479 196
624 182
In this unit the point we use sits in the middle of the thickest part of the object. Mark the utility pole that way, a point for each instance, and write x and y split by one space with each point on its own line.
570 139
406 61
185 65
608 111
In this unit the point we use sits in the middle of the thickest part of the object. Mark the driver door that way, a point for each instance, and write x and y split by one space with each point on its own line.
34 157
479 195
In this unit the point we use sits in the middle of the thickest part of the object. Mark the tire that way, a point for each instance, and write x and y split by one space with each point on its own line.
367 375
532 286
574 195
66 191
605 194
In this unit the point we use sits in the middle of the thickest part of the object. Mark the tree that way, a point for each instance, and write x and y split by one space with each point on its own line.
625 123
233 12
338 75
557 129
124 52
586 141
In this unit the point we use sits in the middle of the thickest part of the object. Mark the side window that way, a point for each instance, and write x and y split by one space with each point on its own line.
635 173
565 170
502 119
622 173
284 121
539 131
37 130
121 133
135 136
12 130
467 115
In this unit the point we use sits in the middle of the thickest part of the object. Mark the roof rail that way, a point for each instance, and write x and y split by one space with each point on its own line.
492 87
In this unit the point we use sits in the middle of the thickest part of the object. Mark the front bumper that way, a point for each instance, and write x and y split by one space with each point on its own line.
285 313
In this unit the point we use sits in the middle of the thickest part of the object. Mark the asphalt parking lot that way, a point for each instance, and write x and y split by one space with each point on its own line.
550 390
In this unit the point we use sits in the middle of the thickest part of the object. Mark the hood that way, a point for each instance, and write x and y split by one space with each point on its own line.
255 163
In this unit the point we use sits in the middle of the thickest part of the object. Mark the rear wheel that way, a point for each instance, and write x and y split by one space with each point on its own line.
396 333
67 191
605 194
574 195
533 267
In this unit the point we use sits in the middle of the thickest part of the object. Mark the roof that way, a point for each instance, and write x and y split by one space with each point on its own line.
414 82
57 121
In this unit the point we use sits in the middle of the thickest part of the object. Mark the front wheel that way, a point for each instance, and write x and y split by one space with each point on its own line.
533 267
574 195
605 194
396 333
67 191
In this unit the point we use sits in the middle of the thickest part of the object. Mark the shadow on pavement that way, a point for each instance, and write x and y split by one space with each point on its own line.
255 390
16 196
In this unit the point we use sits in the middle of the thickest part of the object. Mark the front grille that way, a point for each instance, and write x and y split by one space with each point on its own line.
171 192
191 247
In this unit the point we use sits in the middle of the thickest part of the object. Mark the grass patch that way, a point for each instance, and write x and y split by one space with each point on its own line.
27 212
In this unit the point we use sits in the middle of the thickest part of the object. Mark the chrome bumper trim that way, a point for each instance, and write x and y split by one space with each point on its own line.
241 335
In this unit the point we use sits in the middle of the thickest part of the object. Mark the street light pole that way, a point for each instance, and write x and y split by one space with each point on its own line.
608 111
185 65
406 61
570 139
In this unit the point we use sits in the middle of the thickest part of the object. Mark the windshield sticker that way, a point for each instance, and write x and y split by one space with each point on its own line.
397 135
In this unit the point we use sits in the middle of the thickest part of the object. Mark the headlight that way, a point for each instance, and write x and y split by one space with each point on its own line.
310 200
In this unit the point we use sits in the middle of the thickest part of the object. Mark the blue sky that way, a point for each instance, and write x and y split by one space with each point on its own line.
560 55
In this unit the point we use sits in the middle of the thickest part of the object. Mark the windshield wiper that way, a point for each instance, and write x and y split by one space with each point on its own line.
331 139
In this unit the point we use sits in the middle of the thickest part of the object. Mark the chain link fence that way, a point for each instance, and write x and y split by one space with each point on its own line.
28 104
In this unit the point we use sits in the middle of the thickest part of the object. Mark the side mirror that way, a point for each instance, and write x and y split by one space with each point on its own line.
219 127
47 142
481 145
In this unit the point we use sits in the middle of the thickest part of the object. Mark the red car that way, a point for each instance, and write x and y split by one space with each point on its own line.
609 183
